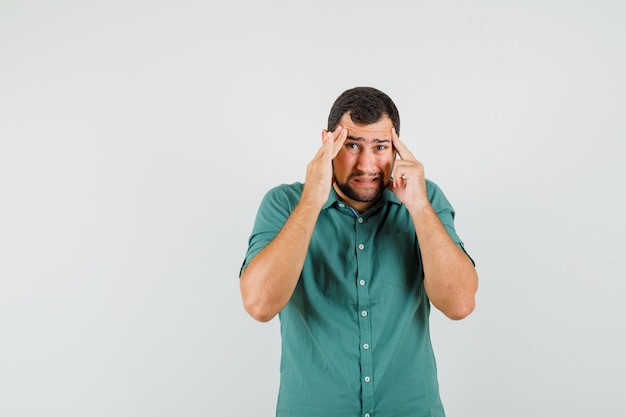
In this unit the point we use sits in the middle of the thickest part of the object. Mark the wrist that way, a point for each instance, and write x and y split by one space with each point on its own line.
419 207
310 202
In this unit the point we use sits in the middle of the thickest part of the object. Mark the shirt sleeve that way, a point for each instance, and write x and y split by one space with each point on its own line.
273 212
445 211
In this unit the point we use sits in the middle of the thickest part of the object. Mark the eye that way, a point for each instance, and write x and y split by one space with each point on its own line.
352 147
382 148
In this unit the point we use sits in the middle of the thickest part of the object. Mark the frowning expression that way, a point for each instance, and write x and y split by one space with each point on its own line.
363 166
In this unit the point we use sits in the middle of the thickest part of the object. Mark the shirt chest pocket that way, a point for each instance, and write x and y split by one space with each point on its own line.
398 262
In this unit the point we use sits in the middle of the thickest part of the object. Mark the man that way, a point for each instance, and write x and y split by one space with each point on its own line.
351 261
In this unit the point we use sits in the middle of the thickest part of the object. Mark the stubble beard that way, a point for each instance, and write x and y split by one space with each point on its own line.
365 196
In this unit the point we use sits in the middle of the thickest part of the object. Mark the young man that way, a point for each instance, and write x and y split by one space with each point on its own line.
351 261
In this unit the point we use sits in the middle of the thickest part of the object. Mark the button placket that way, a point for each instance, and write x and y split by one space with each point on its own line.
364 268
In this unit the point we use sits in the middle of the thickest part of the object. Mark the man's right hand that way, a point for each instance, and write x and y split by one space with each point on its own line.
268 282
319 172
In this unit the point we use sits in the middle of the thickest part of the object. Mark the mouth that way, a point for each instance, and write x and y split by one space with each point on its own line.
365 181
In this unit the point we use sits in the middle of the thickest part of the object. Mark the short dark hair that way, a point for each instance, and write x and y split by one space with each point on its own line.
366 105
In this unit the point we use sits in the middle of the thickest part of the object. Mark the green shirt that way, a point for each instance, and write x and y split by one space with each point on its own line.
355 334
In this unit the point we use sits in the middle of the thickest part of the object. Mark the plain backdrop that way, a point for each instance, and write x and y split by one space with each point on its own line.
138 137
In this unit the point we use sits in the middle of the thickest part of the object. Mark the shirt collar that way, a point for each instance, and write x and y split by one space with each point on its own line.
386 197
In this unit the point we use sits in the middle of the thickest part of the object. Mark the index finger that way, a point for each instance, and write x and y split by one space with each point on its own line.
403 151
341 134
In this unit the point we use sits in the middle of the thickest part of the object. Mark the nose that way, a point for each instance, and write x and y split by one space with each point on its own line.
366 161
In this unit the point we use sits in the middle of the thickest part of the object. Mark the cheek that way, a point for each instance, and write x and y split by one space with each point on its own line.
342 161
342 167
386 164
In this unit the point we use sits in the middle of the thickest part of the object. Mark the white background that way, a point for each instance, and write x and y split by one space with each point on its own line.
138 137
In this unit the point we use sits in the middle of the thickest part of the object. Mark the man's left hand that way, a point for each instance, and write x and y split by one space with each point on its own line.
409 182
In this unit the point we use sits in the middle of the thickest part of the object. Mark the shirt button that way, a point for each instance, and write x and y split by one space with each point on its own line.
361 246
362 282
342 205
366 346
367 379
360 219
364 313
367 415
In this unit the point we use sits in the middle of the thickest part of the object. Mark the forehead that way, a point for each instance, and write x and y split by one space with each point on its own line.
380 129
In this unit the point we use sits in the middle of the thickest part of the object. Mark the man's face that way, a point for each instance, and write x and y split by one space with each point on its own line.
363 166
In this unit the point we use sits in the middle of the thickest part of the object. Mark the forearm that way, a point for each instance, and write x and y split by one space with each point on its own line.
450 280
268 282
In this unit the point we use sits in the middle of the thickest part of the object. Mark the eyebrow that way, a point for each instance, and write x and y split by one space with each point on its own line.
359 139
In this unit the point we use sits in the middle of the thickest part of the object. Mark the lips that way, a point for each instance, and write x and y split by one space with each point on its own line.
365 180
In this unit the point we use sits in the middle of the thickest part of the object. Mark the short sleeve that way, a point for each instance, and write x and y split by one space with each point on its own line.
445 211
273 212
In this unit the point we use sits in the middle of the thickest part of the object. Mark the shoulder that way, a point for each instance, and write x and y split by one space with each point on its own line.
293 190
436 197
284 194
432 188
